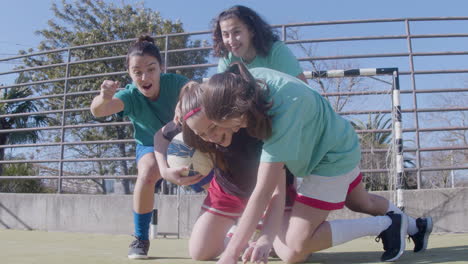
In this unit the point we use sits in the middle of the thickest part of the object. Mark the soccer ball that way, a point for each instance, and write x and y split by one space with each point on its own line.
181 155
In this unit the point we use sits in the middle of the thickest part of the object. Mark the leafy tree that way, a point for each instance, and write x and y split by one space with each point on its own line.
12 122
20 186
380 160
375 140
448 138
329 85
85 22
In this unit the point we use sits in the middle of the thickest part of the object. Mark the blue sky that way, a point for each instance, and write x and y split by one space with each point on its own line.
23 17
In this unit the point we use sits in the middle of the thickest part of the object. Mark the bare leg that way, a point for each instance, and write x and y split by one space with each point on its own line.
304 233
208 234
359 200
148 175
308 231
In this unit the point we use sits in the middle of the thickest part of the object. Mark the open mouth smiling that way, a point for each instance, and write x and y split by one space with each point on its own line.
147 87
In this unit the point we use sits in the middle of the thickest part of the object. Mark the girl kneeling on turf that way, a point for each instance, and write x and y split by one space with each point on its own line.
235 176
299 129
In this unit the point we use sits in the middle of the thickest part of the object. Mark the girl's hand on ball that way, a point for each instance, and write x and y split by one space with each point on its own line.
175 175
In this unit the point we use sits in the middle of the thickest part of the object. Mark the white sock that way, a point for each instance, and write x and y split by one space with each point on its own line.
347 230
412 228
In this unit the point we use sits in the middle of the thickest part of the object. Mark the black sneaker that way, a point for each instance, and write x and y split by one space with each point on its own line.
393 238
421 238
138 249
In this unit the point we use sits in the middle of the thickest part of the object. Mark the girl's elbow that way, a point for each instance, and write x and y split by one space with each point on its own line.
95 112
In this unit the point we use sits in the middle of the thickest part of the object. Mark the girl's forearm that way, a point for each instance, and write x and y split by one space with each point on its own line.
274 214
247 224
268 179
160 150
97 106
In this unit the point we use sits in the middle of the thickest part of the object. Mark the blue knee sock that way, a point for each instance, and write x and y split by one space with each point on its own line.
142 222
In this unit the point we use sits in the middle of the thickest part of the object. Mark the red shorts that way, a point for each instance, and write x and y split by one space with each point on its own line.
219 202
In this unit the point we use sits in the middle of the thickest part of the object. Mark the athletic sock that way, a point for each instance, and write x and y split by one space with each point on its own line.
412 228
346 230
142 223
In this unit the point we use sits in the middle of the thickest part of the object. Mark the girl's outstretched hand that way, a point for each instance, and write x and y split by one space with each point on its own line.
257 252
175 176
108 89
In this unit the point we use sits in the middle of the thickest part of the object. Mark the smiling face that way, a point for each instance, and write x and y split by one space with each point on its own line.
216 132
145 72
237 38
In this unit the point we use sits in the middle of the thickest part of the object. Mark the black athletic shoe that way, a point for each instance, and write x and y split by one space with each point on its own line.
393 238
421 238
138 249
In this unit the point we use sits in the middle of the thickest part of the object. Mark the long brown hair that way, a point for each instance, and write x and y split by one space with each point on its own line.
189 100
234 93
264 35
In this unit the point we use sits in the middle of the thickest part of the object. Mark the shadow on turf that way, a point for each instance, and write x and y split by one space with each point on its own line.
432 255
161 258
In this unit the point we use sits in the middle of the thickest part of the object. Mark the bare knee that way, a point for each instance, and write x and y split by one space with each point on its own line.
148 176
297 251
200 254
293 257
148 171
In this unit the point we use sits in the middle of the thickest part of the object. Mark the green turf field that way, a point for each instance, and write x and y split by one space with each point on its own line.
30 247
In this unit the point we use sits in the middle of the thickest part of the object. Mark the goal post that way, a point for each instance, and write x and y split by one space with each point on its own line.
397 171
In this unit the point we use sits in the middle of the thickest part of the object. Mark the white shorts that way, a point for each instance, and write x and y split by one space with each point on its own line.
325 192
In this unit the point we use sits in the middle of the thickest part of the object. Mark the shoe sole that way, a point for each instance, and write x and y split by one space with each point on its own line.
403 228
426 235
137 257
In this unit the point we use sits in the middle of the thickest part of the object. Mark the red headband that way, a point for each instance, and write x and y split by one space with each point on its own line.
191 113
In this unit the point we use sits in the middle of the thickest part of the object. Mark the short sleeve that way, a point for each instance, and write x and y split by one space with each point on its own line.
222 65
284 144
182 80
126 97
284 60
171 130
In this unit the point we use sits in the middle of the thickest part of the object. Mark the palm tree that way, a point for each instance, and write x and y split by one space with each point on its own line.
12 122
20 185
380 160
374 122
373 141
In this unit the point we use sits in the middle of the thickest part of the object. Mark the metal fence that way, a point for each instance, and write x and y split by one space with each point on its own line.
433 79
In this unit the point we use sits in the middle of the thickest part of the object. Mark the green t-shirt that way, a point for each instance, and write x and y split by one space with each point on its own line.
308 135
279 58
149 116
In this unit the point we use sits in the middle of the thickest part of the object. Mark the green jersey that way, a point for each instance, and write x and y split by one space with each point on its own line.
149 116
308 135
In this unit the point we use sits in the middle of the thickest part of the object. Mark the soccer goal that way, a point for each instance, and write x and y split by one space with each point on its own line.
395 152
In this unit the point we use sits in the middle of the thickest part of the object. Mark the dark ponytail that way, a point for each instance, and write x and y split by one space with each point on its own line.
144 45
